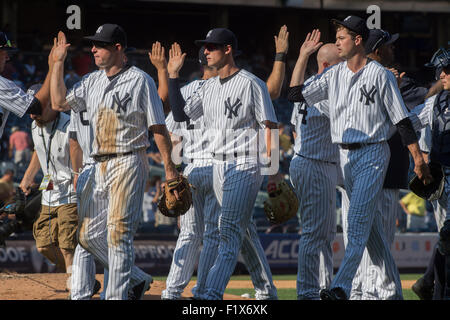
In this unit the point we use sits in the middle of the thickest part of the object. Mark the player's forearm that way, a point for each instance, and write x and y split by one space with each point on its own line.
163 88
43 95
416 154
275 80
164 145
58 88
76 155
298 74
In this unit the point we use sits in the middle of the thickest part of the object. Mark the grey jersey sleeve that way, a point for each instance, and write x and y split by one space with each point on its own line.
13 98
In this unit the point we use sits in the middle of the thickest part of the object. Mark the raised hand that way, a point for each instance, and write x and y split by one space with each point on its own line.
60 49
50 55
176 60
282 41
311 44
157 57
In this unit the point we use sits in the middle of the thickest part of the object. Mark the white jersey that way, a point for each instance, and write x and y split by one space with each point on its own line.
313 138
233 111
361 103
54 137
424 113
12 99
121 109
195 141
79 126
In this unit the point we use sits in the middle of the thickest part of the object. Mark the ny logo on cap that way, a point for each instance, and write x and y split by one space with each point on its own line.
209 33
368 95
232 109
347 18
99 29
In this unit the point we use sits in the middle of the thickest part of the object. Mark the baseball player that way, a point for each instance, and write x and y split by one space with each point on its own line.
351 87
313 173
369 282
233 106
123 104
55 228
206 209
13 98
434 113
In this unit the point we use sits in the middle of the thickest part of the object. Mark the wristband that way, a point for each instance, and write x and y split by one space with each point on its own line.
280 56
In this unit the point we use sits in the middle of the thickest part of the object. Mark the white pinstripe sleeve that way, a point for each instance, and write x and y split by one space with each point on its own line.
392 98
71 127
316 89
194 104
151 102
263 104
294 118
76 97
13 98
425 139
171 125
422 115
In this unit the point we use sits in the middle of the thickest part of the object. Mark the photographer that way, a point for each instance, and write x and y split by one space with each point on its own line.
55 228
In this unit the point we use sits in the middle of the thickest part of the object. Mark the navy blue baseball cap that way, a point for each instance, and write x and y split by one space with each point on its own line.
5 43
355 24
221 36
378 38
109 33
201 56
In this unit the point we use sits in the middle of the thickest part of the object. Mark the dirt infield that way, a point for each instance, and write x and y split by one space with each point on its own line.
51 286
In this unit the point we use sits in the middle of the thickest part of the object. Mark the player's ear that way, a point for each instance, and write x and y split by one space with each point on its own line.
228 49
358 40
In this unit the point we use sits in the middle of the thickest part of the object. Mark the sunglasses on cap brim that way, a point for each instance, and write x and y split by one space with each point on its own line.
101 44
213 46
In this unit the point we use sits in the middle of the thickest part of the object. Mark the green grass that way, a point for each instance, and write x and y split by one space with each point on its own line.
290 294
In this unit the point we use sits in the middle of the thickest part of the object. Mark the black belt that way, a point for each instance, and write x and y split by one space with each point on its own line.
106 157
330 162
354 146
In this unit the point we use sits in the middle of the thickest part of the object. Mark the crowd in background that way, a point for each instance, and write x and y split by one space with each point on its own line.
16 146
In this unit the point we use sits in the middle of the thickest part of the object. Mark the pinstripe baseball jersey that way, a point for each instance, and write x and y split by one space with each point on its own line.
58 165
122 108
233 111
195 141
79 125
13 98
361 103
313 138
424 113
3 117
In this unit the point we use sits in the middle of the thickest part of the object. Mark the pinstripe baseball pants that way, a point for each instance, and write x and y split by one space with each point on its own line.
117 185
364 170
315 184
236 186
370 282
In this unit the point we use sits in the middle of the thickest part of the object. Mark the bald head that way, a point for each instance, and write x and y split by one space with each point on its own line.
327 56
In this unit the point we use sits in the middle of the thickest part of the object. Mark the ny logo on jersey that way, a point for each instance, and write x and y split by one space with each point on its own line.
120 104
368 95
232 109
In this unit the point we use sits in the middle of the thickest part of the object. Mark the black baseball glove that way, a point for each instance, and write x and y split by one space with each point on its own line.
432 191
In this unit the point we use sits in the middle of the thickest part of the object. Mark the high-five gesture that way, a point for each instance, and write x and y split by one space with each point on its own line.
311 44
157 56
176 60
281 42
60 50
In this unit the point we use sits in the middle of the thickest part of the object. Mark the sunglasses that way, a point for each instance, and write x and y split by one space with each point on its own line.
212 46
100 44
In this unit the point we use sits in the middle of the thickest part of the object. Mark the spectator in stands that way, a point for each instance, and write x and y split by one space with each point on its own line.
19 144
81 61
414 207
149 206
29 69
71 77
8 178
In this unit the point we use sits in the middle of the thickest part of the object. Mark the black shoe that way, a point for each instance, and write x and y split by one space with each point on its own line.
333 294
97 287
422 290
137 292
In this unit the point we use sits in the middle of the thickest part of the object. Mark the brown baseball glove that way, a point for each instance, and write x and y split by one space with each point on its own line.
168 204
282 203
